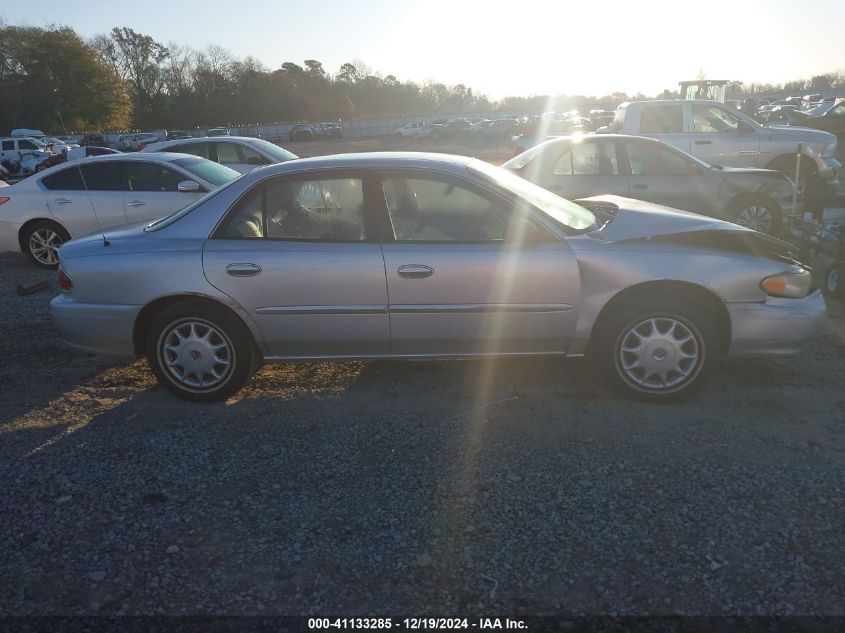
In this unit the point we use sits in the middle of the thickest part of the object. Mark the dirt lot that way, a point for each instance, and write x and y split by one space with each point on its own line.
414 488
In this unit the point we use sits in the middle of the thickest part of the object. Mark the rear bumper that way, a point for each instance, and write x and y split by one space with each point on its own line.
103 329
9 235
776 327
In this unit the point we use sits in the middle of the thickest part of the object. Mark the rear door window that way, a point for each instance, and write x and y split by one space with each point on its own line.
65 180
330 209
103 176
152 177
588 159
229 154
197 149
662 119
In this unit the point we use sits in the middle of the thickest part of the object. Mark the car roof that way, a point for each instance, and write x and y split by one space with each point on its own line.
602 137
158 157
379 160
154 147
671 102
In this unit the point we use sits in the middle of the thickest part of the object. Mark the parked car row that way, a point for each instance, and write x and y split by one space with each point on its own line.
306 132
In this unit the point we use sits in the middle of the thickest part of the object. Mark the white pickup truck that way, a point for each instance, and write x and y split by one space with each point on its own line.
721 135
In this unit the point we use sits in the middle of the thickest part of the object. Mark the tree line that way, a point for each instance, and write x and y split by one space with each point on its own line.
55 80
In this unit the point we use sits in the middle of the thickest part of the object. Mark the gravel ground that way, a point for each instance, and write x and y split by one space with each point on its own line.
519 487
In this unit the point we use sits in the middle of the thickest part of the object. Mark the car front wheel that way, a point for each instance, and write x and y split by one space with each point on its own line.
199 352
658 350
760 214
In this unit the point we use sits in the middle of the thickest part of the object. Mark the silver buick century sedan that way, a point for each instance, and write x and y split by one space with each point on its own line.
423 256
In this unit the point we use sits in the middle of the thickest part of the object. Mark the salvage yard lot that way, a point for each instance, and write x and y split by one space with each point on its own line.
520 486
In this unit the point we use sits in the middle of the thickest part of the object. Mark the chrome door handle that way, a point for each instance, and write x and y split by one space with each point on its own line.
415 271
243 270
135 203
62 201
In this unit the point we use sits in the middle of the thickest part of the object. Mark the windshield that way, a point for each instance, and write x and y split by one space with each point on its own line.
567 213
208 170
277 153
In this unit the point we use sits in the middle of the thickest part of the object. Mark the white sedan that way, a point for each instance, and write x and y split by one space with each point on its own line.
241 153
40 213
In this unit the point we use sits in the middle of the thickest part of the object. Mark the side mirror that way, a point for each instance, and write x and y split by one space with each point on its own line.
188 186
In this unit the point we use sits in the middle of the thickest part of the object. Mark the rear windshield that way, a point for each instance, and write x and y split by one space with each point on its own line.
520 161
208 170
273 150
180 213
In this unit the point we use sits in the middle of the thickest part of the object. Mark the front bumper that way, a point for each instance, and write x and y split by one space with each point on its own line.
776 327
828 167
103 329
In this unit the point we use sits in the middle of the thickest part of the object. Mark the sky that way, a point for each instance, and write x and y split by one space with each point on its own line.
518 47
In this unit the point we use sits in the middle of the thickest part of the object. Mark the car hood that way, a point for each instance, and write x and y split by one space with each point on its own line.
800 134
627 219
624 219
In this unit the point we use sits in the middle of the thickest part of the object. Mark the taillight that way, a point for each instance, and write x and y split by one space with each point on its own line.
65 282
3 200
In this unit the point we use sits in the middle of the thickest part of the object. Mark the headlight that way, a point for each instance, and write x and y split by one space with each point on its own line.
793 284
829 150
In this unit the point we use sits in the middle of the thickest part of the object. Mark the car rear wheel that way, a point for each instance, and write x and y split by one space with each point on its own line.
200 352
760 214
658 350
41 241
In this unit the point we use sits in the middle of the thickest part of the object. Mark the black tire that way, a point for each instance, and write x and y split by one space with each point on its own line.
833 282
615 333
234 360
44 234
757 212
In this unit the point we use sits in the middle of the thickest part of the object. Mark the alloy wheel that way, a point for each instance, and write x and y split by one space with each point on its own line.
44 246
755 217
